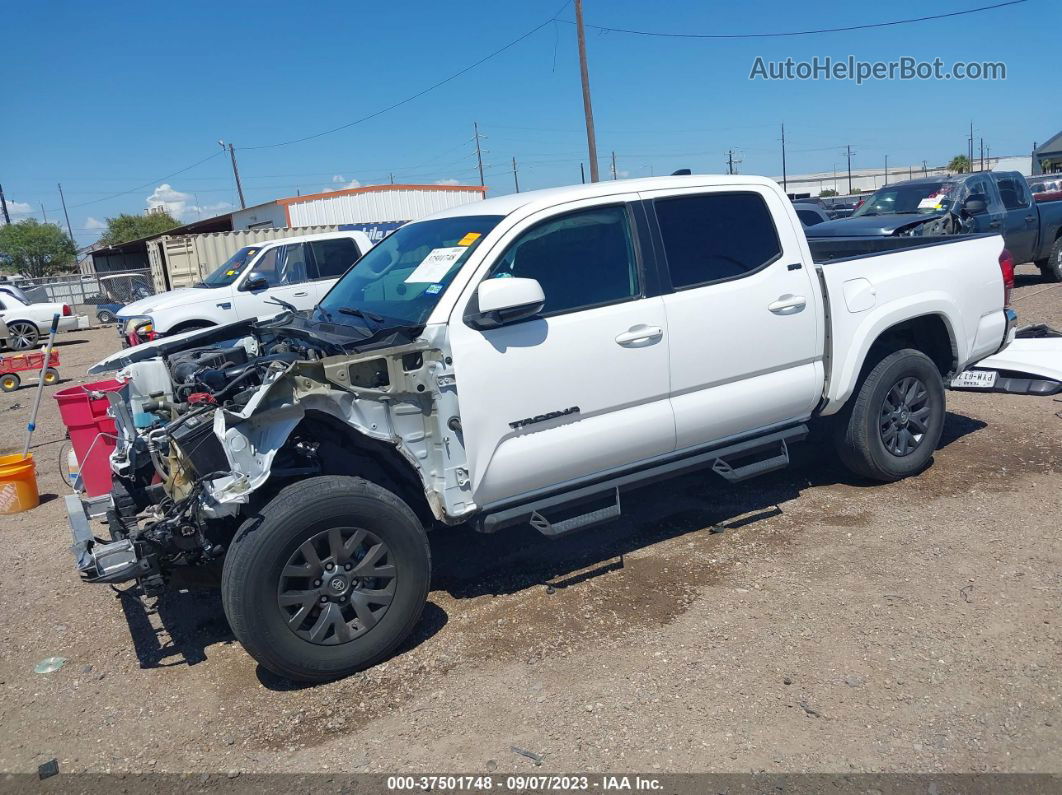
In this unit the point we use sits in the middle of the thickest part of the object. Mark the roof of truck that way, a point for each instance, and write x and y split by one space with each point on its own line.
503 205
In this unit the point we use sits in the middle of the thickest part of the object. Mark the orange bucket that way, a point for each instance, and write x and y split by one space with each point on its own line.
18 483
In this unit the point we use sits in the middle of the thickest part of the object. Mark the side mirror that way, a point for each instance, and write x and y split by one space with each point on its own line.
255 282
504 301
975 204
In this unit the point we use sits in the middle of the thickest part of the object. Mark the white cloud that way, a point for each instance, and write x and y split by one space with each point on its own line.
94 223
182 205
18 208
339 182
450 181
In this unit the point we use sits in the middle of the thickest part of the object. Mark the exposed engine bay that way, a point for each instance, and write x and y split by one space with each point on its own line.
211 425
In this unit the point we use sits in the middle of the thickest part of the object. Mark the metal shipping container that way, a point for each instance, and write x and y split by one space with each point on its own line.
183 260
378 203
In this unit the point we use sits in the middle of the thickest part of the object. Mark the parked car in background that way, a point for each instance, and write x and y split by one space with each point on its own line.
28 322
107 313
1045 183
984 201
810 213
520 360
257 281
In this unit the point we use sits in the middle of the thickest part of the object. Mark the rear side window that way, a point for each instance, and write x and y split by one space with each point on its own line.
582 259
716 236
333 257
809 217
1014 193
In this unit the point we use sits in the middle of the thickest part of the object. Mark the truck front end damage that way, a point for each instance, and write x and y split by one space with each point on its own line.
211 427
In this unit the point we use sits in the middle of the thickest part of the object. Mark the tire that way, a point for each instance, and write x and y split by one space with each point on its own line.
1051 268
9 382
270 562
51 376
105 317
892 424
22 335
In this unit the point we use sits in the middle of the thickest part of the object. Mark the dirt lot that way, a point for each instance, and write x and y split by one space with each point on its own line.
831 626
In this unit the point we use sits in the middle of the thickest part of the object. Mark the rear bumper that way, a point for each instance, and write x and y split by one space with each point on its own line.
1011 329
95 560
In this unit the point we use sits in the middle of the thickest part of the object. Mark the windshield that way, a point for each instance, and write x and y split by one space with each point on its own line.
226 274
923 198
399 280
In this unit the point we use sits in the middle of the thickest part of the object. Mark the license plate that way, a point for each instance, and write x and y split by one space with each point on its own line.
975 379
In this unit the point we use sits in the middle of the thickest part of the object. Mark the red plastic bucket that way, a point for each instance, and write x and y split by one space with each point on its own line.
83 410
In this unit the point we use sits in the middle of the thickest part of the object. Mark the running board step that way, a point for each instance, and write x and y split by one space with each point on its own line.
555 529
736 474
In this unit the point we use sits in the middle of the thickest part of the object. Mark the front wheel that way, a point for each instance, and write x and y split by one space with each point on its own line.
327 579
891 426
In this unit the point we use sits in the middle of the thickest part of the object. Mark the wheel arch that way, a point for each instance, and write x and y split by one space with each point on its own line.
189 325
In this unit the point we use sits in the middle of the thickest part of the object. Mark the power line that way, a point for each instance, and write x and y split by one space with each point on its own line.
146 184
799 32
420 93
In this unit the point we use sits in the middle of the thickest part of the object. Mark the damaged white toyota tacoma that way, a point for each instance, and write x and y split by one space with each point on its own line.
524 359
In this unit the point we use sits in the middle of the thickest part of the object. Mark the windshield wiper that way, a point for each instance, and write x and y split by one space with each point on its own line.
363 314
282 303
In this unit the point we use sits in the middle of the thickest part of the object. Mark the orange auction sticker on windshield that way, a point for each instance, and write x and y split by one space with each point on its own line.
469 239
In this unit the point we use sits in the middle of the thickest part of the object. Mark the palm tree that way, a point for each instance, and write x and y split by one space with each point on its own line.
960 164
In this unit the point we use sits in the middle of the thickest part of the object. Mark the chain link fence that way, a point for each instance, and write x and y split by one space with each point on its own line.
89 294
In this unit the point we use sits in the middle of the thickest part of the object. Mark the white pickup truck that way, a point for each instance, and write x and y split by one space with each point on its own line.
254 282
521 359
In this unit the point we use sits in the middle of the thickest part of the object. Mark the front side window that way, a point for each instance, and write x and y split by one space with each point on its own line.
230 270
581 260
333 257
716 236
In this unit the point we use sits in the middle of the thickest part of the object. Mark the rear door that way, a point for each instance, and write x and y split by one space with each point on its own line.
1020 223
581 389
332 258
743 316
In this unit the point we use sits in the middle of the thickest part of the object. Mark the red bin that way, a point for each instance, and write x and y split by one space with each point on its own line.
83 410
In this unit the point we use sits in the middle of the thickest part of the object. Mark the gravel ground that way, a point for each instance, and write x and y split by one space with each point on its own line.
801 622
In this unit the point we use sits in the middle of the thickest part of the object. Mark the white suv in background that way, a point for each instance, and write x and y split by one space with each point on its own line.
254 282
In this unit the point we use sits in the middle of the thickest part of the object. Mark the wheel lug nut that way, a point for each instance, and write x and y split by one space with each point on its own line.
324 598
348 567
316 583
329 566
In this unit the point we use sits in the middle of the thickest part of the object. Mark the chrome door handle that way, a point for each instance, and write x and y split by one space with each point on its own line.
302 294
788 304
637 336
994 224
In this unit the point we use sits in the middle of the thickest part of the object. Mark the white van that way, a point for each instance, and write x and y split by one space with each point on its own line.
255 282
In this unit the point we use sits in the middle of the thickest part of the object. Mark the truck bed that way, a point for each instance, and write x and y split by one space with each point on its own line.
832 249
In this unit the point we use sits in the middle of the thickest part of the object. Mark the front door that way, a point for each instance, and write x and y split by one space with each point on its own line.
1021 226
285 270
744 316
581 389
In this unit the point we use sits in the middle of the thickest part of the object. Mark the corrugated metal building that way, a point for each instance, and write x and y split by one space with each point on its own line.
373 204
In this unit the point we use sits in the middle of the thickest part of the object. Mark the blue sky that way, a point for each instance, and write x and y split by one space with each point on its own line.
105 97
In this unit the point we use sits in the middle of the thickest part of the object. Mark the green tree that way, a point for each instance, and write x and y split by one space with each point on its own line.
35 249
827 192
124 227
960 164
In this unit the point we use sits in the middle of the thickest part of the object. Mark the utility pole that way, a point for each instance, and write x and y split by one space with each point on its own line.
982 153
886 169
988 154
729 161
910 172
785 185
69 231
849 149
516 179
235 172
614 176
43 213
479 152
392 176
584 74
971 146
582 174
3 202
925 169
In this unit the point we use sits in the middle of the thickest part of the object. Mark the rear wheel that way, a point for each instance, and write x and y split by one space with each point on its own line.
327 579
22 335
1051 268
51 376
892 425
9 382
105 316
